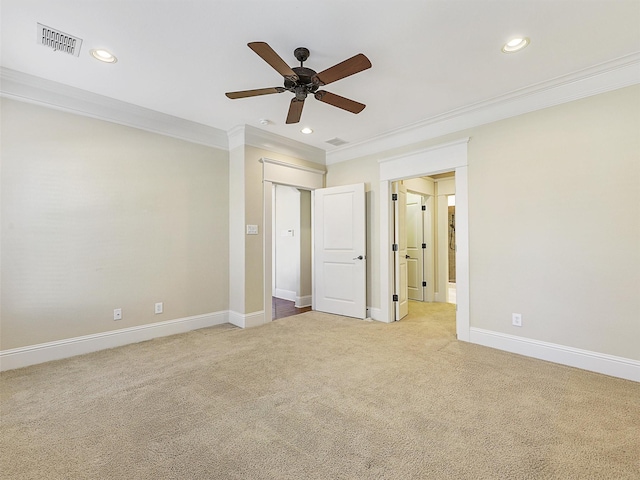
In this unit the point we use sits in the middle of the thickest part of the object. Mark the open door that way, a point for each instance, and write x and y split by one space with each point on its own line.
401 295
340 250
415 246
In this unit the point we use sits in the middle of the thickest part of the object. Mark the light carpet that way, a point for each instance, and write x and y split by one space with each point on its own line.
317 396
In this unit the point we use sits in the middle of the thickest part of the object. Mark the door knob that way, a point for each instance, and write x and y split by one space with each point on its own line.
407 256
359 257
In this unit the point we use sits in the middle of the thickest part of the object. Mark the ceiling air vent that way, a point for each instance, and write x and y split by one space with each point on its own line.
337 141
59 41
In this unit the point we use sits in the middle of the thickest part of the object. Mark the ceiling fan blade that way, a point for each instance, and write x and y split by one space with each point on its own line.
254 93
350 66
272 58
295 111
340 102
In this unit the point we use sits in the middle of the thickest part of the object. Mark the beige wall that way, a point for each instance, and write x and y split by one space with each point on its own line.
554 222
97 216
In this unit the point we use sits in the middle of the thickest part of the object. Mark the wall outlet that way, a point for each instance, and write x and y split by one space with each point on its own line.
117 314
516 319
158 308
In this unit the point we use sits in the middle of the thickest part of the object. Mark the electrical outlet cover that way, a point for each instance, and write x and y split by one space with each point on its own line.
516 319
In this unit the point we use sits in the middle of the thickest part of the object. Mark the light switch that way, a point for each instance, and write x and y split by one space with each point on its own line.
252 229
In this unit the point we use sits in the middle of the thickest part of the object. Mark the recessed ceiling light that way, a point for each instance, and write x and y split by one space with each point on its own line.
515 44
306 130
103 55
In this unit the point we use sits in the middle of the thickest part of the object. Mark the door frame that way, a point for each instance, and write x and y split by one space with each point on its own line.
280 173
430 161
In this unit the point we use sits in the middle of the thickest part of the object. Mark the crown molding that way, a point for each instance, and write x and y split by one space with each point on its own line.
612 75
255 137
235 137
423 151
28 88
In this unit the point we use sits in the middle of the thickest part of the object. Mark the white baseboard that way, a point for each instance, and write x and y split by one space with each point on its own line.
574 357
247 320
304 301
375 314
70 347
285 294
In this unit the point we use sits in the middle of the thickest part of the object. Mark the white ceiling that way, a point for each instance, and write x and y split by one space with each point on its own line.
429 57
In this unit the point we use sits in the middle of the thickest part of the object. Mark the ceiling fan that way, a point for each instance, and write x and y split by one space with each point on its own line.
301 81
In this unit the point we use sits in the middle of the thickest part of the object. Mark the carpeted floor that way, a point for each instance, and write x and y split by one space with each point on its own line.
317 396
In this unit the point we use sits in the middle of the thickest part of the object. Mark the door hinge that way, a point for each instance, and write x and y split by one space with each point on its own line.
424 284
394 247
394 196
424 245
395 298
424 208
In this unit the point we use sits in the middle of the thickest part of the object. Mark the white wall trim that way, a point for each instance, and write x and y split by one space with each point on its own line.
290 174
619 73
235 137
574 357
242 135
375 314
293 165
247 320
70 347
441 158
304 301
436 159
28 88
285 294
286 174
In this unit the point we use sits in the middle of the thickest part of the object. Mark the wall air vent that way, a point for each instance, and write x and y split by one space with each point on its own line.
59 41
337 141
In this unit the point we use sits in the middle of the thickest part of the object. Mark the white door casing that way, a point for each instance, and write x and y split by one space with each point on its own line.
438 159
340 250
415 240
401 297
281 173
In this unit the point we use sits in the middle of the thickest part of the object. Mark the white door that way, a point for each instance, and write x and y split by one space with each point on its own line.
414 247
340 250
401 298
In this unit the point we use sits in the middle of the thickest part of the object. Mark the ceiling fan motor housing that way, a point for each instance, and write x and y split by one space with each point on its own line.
306 83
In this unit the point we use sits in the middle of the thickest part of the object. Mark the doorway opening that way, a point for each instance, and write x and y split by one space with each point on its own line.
424 241
451 246
300 178
291 251
427 162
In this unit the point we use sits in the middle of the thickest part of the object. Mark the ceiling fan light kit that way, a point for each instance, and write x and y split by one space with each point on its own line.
302 81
